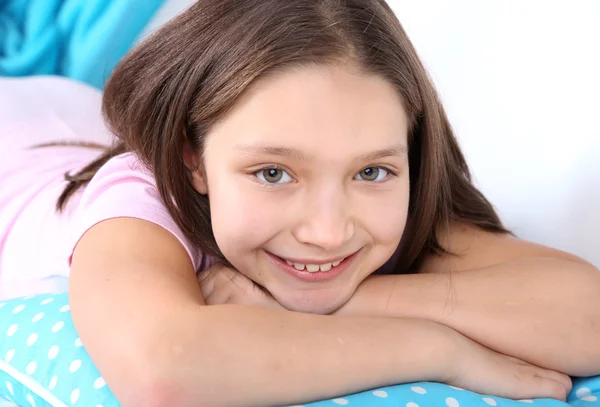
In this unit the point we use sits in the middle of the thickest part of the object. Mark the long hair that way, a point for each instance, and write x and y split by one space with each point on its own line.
178 83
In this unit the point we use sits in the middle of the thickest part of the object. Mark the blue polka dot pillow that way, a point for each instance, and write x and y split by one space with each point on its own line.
43 364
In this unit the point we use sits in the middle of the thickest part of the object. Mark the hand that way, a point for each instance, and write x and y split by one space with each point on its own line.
223 285
477 368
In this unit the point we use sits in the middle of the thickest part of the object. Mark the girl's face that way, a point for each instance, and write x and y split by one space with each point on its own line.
308 183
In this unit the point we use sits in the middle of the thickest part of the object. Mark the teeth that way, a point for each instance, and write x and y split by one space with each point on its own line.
325 267
313 268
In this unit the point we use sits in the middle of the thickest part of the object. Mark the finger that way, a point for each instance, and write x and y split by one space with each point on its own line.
207 287
217 297
547 373
550 388
231 276
557 376
208 279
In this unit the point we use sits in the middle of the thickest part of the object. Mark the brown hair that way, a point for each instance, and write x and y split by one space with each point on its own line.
172 88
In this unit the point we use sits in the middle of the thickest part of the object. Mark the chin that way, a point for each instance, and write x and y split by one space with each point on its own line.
312 302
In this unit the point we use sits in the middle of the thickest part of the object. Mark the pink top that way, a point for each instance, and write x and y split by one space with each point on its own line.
123 187
36 242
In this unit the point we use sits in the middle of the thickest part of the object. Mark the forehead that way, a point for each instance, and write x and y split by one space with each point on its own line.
316 107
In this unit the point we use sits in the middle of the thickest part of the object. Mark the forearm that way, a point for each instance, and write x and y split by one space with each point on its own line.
543 311
246 356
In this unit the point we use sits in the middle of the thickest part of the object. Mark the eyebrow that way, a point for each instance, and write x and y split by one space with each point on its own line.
396 151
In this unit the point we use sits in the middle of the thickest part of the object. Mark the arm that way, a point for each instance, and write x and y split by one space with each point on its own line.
136 303
515 297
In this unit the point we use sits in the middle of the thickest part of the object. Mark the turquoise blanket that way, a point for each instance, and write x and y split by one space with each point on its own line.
43 363
80 39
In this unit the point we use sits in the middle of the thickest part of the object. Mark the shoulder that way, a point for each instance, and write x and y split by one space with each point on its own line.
125 167
469 247
122 187
125 188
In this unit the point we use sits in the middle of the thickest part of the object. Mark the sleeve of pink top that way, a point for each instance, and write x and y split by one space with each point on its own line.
124 188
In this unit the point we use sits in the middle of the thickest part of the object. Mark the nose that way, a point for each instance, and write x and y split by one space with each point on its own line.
326 222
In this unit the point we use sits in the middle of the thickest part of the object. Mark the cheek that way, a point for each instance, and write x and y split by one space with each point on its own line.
386 219
242 219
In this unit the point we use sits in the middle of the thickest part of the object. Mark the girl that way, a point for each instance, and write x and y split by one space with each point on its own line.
289 164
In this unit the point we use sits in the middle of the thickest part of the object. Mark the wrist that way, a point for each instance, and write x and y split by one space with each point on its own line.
433 349
445 347
369 299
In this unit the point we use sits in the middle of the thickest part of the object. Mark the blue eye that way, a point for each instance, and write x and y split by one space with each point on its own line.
372 174
273 175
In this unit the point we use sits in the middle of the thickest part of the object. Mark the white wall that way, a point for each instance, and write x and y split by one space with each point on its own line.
521 83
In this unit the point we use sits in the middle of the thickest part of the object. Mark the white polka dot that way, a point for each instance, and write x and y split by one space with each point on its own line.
589 398
456 388
12 330
452 402
53 352
9 355
32 339
582 392
526 401
47 301
380 393
31 400
100 405
65 308
411 404
58 326
341 402
53 382
418 390
2 304
31 368
10 388
18 309
78 343
489 401
75 366
74 396
37 317
99 383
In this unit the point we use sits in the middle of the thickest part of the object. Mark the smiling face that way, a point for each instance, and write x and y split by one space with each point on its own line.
308 183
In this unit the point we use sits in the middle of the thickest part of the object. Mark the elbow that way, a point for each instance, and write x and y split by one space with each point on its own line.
589 317
141 377
166 392
594 346
160 392
145 389
167 378
157 388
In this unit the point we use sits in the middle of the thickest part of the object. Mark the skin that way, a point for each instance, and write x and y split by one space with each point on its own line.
178 351
322 207
317 208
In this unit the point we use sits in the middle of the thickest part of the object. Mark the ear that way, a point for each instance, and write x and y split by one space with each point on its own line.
199 181
192 161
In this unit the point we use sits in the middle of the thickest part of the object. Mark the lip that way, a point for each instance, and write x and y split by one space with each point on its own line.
313 277
307 261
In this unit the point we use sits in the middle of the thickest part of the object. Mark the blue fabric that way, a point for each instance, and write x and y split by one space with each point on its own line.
43 364
586 393
80 39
